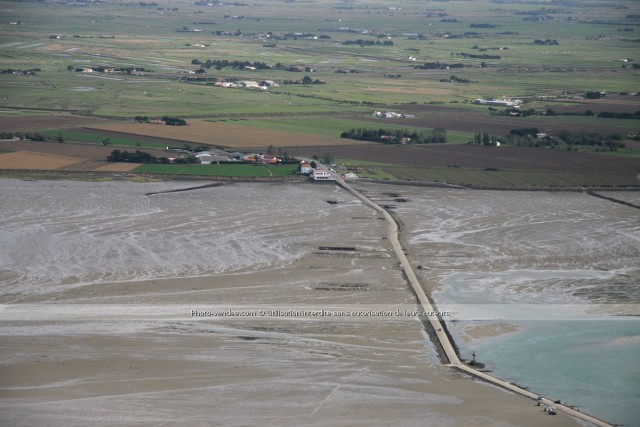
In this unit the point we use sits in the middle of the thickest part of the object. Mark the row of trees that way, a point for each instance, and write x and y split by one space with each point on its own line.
103 69
612 141
517 112
474 56
31 136
363 43
455 79
397 136
171 121
142 157
483 138
614 115
530 137
547 42
438 66
306 80
219 64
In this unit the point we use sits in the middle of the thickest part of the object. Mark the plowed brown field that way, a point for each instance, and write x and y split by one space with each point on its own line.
85 151
473 156
36 161
10 122
117 167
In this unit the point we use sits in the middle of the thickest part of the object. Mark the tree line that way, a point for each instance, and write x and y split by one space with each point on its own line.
363 43
530 137
170 121
397 136
103 69
146 158
438 66
219 64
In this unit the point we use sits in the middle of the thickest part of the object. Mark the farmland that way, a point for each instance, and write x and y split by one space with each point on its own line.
219 170
99 65
224 135
27 160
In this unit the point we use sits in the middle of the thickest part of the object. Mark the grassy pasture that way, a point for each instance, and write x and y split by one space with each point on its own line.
226 170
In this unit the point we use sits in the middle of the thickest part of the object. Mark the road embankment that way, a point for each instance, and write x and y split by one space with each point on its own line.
444 341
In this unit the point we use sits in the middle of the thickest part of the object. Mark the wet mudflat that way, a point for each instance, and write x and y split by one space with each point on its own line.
225 304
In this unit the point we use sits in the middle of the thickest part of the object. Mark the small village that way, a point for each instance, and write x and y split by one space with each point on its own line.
314 170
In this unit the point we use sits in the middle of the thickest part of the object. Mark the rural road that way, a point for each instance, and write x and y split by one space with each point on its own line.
445 342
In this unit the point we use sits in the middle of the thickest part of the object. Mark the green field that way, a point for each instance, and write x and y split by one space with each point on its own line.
226 170
590 37
364 56
76 136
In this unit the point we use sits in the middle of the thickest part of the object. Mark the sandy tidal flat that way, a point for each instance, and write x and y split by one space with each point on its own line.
99 284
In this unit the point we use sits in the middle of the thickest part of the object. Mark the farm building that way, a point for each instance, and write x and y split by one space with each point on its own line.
392 115
387 115
269 83
249 83
321 175
305 168
499 102
208 157
268 158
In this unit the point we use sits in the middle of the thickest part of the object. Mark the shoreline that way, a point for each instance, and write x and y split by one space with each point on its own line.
105 175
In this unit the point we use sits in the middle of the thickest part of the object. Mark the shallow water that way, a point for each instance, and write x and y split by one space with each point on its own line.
588 363
560 266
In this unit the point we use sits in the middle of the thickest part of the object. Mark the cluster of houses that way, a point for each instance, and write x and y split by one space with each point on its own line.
214 156
109 70
392 115
320 174
499 102
263 85
312 170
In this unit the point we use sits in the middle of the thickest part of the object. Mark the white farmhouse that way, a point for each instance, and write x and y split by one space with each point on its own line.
321 175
